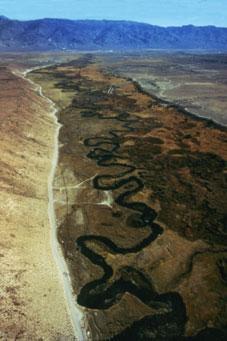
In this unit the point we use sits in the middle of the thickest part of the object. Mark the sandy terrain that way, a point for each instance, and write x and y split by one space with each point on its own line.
33 305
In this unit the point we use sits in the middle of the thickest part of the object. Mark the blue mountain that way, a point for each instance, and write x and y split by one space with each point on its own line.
58 34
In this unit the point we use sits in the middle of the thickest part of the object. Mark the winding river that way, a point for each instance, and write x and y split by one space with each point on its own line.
168 317
104 292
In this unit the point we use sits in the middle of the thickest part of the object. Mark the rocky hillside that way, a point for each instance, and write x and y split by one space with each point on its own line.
58 34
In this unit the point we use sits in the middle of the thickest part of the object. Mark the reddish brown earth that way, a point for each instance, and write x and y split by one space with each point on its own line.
171 287
176 285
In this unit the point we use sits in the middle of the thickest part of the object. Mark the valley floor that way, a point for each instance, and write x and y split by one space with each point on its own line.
136 192
140 199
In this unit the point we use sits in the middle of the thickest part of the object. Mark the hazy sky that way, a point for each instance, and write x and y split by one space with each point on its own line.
159 12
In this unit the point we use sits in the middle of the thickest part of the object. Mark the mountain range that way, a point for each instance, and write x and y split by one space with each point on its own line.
61 34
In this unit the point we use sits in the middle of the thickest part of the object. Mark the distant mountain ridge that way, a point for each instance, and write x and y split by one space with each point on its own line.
58 34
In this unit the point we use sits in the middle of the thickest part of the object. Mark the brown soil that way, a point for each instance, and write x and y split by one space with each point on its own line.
181 162
32 300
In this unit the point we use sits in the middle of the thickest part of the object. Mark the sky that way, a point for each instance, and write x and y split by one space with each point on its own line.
157 12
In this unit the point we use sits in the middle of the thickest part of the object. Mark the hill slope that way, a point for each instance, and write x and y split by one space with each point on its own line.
51 34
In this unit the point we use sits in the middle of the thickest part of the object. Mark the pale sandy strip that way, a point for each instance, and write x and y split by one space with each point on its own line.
75 312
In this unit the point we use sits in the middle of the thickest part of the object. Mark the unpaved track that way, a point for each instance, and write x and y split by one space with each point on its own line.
75 312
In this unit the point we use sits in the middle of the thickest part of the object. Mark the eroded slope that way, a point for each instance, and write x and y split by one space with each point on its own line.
32 300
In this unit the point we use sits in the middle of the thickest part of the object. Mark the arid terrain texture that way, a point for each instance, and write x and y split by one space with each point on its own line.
141 202
196 82
139 193
33 305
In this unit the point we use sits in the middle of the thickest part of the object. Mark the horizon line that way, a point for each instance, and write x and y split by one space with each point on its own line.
114 20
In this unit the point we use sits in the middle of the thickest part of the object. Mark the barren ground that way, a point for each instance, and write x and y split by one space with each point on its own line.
197 82
33 306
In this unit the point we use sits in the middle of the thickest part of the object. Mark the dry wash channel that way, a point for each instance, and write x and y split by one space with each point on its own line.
140 197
